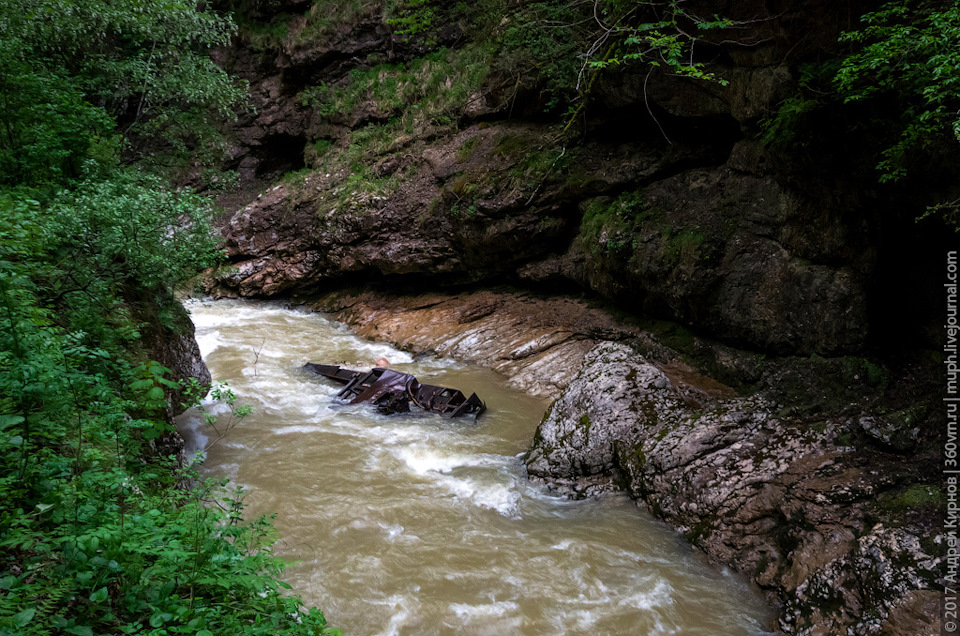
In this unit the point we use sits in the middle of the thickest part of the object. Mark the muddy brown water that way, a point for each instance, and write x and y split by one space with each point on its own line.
416 524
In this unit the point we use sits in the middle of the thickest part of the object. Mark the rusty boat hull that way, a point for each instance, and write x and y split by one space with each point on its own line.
394 392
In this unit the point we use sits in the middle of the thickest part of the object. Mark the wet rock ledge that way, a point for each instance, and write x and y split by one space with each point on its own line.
823 508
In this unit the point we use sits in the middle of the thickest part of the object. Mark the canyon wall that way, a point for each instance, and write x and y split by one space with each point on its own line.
769 391
376 157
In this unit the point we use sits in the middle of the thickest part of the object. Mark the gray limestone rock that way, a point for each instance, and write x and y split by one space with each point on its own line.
779 500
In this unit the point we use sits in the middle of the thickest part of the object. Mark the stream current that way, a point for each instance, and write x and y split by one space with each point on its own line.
415 524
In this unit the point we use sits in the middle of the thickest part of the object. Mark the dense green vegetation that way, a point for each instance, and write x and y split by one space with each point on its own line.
892 83
97 532
895 82
561 46
908 54
899 72
85 84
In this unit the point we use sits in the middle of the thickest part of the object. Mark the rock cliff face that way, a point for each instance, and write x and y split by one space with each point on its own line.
172 344
371 159
684 216
778 499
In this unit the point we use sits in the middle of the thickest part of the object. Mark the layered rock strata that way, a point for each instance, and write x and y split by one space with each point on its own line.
684 215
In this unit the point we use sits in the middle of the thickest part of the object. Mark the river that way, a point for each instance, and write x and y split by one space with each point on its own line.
415 524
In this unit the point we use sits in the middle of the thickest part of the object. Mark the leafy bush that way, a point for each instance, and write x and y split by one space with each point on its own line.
907 53
96 536
76 75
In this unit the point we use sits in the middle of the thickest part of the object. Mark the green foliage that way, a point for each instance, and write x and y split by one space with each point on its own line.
295 177
666 42
782 128
457 210
897 90
433 90
363 191
553 44
913 498
467 149
907 54
94 536
418 19
568 45
132 231
683 244
322 146
263 27
260 35
544 40
606 225
326 17
76 75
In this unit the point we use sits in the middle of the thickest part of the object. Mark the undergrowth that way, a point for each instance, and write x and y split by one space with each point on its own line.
96 537
432 90
98 532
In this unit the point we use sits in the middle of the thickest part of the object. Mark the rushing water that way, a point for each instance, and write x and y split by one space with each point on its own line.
416 524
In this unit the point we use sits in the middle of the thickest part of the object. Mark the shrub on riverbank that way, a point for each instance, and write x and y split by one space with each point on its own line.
97 534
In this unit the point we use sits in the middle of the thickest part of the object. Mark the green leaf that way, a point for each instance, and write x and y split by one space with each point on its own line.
10 420
157 620
99 596
79 630
23 618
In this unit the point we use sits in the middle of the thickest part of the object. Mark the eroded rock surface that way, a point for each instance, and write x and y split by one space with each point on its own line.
538 344
173 345
687 217
727 251
781 501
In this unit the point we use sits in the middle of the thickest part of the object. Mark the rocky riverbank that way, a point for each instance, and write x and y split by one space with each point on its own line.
819 509
773 394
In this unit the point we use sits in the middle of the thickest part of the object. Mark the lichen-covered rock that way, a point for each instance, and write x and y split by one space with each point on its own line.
897 431
858 590
729 252
781 501
622 394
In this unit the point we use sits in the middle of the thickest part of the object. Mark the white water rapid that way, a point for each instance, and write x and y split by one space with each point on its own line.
415 524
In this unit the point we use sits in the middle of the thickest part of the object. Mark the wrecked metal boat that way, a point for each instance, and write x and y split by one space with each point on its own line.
394 392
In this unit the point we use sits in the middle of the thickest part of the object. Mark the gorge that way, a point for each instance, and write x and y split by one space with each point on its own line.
730 324
698 250
417 523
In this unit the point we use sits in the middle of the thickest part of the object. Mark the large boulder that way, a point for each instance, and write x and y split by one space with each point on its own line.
782 502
